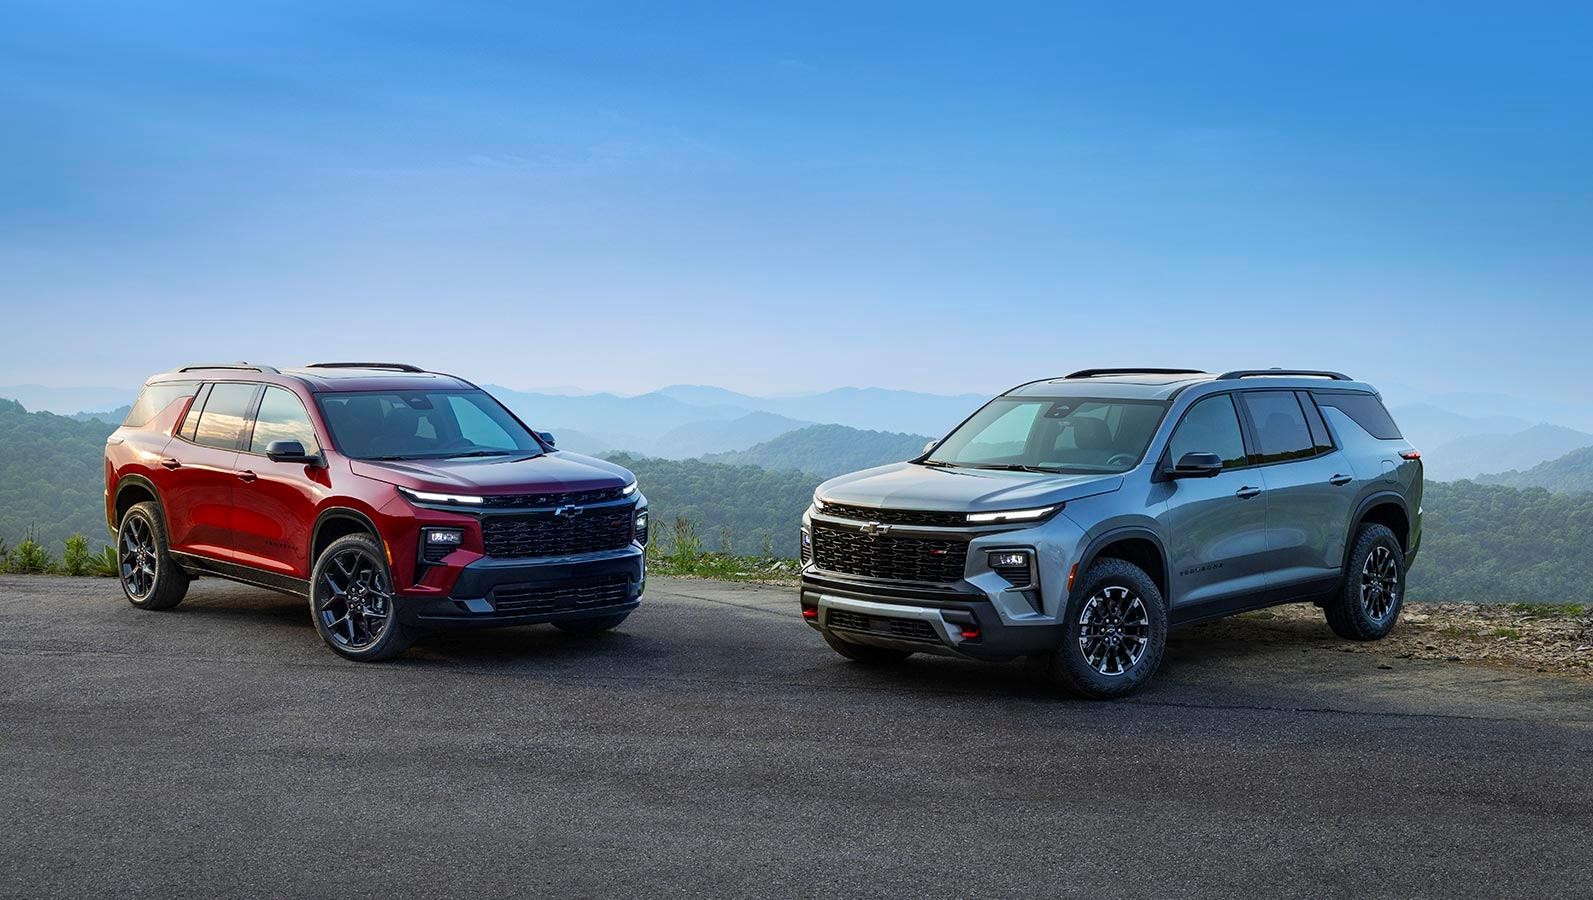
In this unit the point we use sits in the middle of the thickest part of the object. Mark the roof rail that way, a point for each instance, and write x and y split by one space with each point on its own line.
397 367
1094 373
1296 373
235 366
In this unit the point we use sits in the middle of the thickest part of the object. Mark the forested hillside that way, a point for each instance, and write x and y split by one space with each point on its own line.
746 505
827 450
52 474
1571 472
1487 542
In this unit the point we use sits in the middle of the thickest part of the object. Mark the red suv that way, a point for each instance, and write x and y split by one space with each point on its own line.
393 498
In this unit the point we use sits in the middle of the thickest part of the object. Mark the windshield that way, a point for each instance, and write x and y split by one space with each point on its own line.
423 425
1074 435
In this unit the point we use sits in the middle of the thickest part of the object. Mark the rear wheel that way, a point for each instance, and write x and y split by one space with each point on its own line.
150 578
1368 604
1116 633
352 601
867 654
592 624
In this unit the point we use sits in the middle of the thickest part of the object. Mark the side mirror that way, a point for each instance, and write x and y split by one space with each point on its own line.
290 452
547 438
1196 464
930 447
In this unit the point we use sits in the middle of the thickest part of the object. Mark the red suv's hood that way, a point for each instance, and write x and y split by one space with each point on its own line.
548 473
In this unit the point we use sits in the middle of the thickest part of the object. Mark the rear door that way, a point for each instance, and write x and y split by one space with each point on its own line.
274 503
1215 527
1310 487
198 489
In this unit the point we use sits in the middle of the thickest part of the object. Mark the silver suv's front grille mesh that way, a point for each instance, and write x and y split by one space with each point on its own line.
888 556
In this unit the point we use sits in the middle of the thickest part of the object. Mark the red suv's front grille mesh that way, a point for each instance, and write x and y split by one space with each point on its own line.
547 534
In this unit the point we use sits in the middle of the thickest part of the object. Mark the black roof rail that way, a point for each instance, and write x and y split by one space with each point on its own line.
1095 373
397 367
235 366
1296 373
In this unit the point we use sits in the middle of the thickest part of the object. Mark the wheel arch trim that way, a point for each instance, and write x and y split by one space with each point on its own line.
347 513
1380 498
1093 550
126 482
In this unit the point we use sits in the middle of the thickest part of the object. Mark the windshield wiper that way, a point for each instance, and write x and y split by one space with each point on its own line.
1016 467
936 463
470 453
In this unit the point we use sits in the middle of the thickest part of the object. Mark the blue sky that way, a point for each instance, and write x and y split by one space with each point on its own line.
942 197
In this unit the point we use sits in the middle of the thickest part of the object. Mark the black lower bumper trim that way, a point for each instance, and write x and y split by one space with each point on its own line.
494 593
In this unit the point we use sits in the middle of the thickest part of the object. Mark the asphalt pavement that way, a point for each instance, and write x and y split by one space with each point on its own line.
714 746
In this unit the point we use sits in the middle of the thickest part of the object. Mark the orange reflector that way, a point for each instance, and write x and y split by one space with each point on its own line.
1072 574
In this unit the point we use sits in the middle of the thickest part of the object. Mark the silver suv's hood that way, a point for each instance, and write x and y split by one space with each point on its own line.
911 486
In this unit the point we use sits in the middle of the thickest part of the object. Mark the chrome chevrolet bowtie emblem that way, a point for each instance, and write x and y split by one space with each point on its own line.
567 511
874 529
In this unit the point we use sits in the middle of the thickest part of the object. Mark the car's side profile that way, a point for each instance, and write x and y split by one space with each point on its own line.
1076 519
394 499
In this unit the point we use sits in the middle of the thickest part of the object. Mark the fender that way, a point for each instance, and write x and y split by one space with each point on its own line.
1094 547
337 512
127 481
1371 500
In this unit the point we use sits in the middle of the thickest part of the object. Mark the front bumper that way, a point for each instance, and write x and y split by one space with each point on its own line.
949 623
493 593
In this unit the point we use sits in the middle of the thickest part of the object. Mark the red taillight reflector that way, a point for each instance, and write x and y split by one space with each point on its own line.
970 632
1410 454
810 612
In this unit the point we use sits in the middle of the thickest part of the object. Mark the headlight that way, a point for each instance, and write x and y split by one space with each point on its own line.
1012 515
818 503
428 497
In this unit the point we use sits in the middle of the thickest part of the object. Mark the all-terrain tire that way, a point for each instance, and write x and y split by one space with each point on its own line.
1368 602
591 625
866 654
356 559
160 583
1116 599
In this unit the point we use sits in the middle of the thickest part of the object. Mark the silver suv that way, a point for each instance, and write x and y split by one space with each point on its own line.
1075 519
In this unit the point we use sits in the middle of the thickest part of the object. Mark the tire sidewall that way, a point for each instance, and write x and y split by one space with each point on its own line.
166 570
395 638
1072 671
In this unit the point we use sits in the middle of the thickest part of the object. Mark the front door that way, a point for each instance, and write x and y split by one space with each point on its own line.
274 503
1215 527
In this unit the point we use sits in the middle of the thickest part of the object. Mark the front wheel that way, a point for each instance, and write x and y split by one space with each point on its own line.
352 601
1368 604
1115 635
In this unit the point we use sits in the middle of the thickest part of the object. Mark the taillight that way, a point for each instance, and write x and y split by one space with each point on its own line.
1410 454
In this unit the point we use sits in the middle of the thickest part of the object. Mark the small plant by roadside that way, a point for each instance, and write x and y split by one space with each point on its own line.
29 557
679 551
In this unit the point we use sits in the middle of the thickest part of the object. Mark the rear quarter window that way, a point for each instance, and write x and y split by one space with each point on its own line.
155 398
1365 410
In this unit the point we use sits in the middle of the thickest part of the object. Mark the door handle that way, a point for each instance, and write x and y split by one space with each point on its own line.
1341 479
246 476
1245 493
171 463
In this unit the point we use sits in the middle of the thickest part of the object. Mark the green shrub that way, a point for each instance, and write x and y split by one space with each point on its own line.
29 557
77 559
104 564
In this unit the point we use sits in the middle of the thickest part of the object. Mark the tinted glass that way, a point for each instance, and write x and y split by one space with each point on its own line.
191 419
226 410
1313 419
1281 433
1067 434
1365 410
423 425
154 400
282 418
1210 426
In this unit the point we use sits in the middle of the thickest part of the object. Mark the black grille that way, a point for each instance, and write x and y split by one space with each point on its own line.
561 596
888 556
504 501
546 534
901 629
897 516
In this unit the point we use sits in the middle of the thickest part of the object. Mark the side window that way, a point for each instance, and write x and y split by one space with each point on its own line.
282 418
154 399
1364 410
1210 426
1280 425
1313 420
478 428
226 412
191 420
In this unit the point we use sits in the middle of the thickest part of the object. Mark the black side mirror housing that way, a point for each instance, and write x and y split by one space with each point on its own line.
1196 464
547 438
291 452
